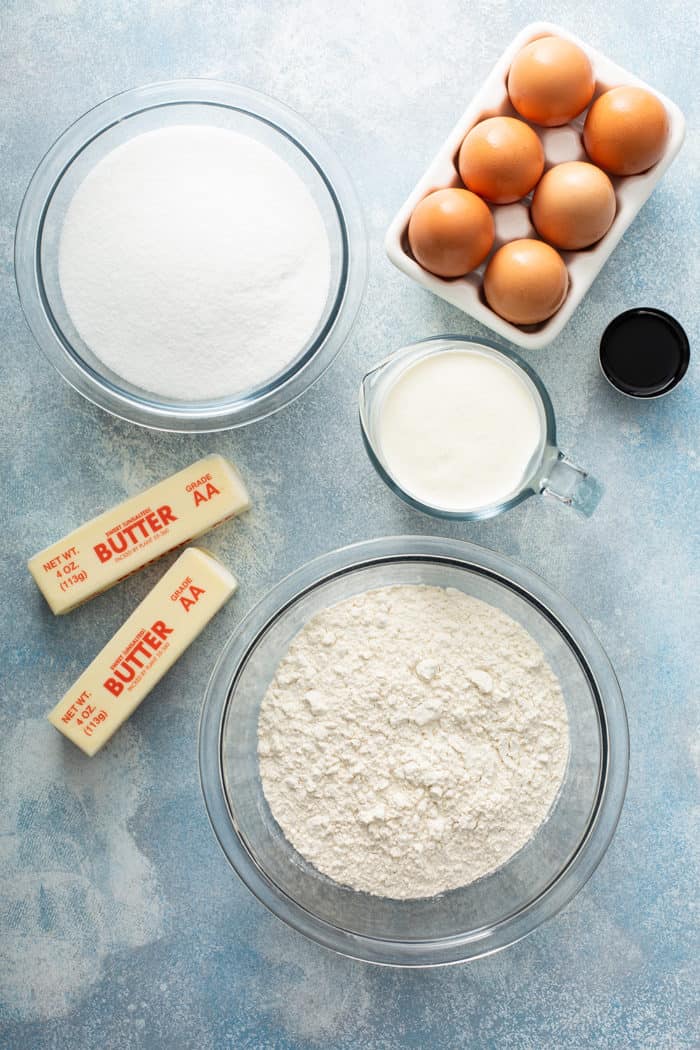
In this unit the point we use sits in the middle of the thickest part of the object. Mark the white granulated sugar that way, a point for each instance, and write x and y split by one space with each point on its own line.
412 740
194 262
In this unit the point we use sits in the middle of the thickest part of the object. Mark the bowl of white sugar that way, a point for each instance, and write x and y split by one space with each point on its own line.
190 255
413 751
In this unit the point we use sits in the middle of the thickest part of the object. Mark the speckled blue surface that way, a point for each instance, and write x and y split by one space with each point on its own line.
121 925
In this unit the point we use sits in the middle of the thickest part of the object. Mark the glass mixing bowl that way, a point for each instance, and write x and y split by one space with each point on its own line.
495 910
84 144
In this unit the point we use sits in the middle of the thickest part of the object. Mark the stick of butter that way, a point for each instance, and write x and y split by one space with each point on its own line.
122 540
155 635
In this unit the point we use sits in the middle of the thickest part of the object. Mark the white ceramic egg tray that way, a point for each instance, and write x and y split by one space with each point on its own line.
513 220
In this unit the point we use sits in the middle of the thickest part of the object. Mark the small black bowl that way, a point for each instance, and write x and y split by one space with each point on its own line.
644 352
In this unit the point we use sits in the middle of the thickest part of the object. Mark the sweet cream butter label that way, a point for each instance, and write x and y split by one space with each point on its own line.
158 631
124 539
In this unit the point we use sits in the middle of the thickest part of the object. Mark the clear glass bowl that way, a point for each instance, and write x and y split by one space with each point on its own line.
84 144
493 911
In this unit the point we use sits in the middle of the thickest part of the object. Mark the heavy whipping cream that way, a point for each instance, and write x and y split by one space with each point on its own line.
458 430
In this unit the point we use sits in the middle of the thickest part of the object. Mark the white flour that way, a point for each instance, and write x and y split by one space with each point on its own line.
412 740
194 262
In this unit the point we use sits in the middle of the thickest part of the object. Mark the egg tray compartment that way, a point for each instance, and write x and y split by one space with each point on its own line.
512 221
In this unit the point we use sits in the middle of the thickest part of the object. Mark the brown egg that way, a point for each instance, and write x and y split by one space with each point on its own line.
574 205
450 232
626 130
526 281
501 159
550 81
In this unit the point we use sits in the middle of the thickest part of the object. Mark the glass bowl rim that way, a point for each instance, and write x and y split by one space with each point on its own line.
199 417
594 662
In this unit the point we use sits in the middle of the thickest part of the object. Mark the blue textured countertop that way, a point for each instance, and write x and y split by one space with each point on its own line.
121 925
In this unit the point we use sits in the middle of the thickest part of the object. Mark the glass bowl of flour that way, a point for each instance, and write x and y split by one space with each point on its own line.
413 751
190 255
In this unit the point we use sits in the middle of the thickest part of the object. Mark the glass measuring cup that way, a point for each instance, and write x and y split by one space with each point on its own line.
549 471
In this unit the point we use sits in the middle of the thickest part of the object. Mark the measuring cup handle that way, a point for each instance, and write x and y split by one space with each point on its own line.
572 485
